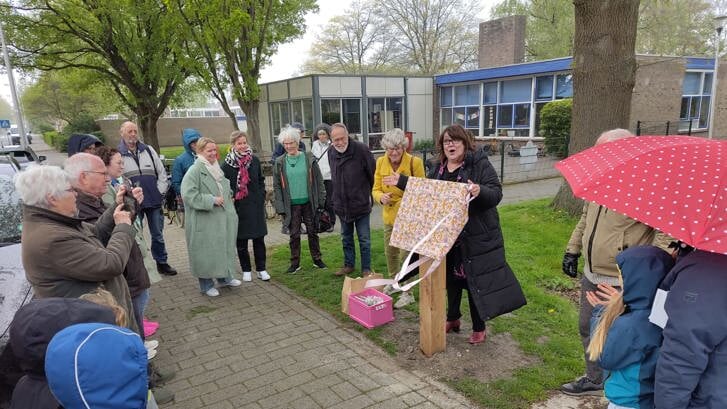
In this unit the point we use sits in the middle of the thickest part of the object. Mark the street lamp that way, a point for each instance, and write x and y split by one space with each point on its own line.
718 26
13 92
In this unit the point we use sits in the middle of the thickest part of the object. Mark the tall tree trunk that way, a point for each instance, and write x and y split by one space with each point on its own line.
604 71
253 123
148 127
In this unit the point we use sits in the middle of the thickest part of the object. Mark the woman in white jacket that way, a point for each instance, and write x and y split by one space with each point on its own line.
320 154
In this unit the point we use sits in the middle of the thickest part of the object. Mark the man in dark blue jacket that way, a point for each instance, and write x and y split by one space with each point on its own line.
144 168
690 371
352 177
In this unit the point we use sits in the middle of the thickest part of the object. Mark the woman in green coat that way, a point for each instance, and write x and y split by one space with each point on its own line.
210 226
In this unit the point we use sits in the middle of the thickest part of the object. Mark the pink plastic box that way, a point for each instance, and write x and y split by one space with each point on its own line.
370 316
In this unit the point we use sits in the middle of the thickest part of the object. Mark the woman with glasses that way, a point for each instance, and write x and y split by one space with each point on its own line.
396 160
476 262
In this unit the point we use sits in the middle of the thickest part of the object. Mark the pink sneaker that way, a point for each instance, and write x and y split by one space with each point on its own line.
150 327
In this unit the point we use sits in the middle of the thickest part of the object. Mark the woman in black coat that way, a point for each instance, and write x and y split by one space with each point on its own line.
476 262
243 170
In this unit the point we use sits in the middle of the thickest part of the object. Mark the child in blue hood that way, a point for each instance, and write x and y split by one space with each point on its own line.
98 366
625 342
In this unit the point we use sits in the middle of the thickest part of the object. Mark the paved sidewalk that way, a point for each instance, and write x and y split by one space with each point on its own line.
261 346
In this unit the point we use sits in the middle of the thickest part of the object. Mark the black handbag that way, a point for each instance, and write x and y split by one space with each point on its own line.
323 221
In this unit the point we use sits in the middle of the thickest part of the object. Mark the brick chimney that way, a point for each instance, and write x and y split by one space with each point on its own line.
502 42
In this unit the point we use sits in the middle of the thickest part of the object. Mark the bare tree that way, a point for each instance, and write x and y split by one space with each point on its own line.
434 36
356 42
604 70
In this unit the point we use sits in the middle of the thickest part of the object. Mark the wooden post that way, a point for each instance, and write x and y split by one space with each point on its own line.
432 311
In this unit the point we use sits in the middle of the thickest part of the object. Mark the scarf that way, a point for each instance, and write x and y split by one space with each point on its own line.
214 170
241 161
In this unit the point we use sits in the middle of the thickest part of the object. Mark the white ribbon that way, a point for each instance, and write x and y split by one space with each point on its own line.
407 268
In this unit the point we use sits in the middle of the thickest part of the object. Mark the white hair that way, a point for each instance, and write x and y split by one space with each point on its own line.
393 139
289 133
612 135
79 163
36 183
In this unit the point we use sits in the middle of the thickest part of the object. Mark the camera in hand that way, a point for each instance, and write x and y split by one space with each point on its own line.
130 203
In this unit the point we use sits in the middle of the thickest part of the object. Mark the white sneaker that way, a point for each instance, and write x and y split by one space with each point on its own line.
212 292
151 344
263 275
234 283
151 354
404 299
247 276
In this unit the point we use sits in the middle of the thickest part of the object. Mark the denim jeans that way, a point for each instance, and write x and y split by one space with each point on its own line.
139 303
207 283
363 231
155 219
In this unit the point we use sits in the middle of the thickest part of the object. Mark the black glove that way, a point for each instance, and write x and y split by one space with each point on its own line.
570 264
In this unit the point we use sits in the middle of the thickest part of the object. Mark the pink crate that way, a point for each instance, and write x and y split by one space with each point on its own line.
370 316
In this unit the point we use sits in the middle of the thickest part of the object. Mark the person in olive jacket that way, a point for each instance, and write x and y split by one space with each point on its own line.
247 182
476 262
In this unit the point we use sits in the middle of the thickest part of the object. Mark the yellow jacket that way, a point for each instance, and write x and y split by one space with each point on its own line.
409 166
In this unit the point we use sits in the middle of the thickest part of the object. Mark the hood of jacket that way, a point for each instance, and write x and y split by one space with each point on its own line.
35 324
189 135
642 269
78 142
99 366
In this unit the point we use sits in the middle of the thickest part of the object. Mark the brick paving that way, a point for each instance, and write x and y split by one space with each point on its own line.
261 346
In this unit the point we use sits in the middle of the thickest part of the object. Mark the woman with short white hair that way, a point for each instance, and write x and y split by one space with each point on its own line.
64 256
299 193
396 161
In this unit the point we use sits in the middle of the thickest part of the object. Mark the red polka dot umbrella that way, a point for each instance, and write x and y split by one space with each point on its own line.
676 184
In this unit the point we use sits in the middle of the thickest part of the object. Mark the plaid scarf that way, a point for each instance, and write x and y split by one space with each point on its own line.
241 161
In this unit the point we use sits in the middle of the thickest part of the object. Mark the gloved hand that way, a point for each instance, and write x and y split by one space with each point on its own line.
570 264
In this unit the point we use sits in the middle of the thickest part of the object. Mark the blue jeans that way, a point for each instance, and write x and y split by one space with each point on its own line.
139 303
155 219
207 283
363 231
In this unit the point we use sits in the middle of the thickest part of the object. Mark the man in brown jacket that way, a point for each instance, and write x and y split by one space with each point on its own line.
600 235
64 256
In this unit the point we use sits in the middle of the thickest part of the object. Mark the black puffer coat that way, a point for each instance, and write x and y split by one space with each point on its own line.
490 280
250 210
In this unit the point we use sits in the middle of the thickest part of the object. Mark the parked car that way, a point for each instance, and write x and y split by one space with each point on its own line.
15 136
24 156
15 290
9 166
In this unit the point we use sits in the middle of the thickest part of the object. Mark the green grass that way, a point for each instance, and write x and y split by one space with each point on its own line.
171 152
535 236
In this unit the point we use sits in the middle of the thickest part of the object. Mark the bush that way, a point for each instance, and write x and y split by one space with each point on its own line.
43 128
555 120
424 145
82 123
48 137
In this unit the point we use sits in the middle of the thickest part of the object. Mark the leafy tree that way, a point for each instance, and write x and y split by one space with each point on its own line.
6 111
356 42
665 27
58 97
133 44
233 40
604 71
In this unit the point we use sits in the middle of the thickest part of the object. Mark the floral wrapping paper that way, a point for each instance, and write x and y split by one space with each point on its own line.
425 203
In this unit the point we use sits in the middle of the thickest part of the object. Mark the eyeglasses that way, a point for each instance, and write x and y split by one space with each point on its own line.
395 149
451 141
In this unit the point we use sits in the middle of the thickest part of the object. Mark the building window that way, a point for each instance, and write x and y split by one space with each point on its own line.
544 88
347 111
384 114
302 111
696 97
467 107
280 115
445 97
490 94
564 86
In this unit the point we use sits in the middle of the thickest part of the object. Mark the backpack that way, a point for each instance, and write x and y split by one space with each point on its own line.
170 200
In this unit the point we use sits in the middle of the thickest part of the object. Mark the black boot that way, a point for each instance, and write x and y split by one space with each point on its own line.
166 269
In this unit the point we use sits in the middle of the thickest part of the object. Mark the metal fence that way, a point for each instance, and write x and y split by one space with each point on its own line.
672 127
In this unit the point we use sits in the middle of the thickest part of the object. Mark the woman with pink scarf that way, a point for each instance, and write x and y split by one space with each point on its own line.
243 170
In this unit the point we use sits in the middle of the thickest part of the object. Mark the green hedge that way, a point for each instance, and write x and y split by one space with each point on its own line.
555 121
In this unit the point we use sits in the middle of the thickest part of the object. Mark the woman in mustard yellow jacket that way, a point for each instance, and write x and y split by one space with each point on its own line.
396 161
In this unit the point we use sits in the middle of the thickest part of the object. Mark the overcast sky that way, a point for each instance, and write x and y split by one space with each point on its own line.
286 63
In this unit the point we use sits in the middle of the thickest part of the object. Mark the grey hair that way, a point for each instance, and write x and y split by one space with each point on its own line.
339 125
36 183
79 163
289 133
393 139
612 135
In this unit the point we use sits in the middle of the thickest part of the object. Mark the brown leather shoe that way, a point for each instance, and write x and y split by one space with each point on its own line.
345 270
367 273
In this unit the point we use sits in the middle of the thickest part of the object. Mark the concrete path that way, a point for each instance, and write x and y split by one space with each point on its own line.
261 346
